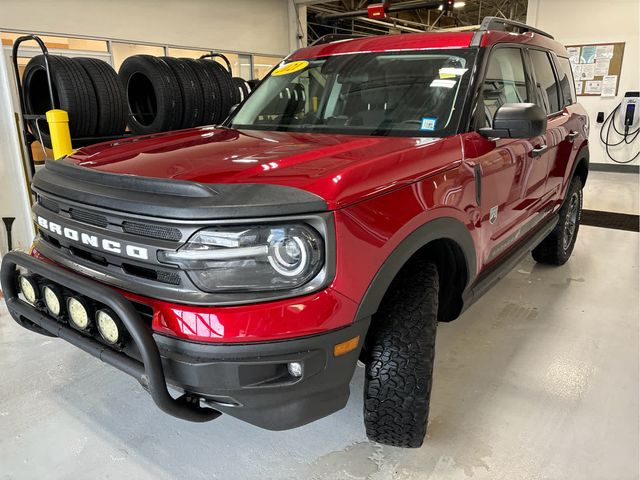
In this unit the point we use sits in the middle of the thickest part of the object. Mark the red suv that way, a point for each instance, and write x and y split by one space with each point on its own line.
367 190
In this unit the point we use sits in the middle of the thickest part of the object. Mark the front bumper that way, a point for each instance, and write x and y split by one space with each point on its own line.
249 381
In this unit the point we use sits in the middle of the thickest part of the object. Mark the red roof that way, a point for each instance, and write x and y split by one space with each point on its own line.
423 41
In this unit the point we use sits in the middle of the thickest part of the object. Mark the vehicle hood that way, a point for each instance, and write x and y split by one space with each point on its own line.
339 168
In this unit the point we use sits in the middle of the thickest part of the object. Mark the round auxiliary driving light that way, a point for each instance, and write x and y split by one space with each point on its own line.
108 326
53 300
78 309
29 289
295 369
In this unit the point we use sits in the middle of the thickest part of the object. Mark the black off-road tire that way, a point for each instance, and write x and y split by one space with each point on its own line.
191 90
112 103
400 349
73 92
153 94
557 247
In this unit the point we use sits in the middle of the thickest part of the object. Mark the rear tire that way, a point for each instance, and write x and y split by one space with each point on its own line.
557 247
400 349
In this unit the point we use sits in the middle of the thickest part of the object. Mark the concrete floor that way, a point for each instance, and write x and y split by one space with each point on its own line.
538 380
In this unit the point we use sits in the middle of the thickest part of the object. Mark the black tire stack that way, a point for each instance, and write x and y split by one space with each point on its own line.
87 89
149 94
166 93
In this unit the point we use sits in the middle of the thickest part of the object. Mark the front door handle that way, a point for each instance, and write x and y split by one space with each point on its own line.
539 150
572 136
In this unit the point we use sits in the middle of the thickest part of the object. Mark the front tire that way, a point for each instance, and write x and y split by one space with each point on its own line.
400 350
557 247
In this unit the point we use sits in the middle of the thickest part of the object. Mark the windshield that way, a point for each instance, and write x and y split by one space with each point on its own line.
392 93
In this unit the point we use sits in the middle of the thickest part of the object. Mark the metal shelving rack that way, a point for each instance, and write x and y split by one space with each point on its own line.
27 136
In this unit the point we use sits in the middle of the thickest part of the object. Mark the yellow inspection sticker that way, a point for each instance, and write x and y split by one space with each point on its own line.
291 67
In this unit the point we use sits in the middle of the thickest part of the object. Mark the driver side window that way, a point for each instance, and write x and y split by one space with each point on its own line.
505 82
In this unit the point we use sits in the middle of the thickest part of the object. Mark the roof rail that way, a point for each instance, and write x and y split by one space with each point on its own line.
504 25
335 37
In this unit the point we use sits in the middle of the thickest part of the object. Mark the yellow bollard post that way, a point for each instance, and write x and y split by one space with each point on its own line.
58 121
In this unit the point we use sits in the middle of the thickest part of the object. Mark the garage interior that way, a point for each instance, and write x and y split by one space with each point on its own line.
537 380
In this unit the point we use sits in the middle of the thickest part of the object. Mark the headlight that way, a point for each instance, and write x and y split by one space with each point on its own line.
260 258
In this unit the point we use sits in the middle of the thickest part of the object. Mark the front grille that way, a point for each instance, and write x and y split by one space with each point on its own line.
119 227
163 276
49 204
152 231
88 217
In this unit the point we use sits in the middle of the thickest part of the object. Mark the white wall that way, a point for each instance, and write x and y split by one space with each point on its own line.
254 26
14 198
596 21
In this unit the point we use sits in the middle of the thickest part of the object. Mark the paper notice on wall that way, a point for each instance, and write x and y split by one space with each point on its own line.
604 52
602 67
593 87
579 84
577 71
574 54
609 85
587 71
588 54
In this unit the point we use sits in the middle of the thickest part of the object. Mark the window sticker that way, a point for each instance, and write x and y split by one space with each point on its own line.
291 67
438 83
450 72
428 124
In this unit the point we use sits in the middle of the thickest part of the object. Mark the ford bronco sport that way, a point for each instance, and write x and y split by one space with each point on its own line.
367 190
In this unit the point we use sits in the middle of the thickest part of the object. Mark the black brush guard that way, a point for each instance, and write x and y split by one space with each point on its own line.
149 372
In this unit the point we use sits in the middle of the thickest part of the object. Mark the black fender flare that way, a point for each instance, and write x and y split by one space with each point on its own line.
447 228
582 155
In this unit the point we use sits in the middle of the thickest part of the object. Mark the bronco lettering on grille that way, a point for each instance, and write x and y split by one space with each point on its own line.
111 246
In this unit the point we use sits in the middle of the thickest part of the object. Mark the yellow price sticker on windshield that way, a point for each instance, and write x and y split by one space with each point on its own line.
291 67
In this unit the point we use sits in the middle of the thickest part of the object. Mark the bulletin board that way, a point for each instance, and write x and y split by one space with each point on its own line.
596 68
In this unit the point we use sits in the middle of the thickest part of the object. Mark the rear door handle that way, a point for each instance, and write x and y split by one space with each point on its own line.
572 136
539 150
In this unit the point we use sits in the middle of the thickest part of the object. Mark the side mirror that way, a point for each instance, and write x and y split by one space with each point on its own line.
517 120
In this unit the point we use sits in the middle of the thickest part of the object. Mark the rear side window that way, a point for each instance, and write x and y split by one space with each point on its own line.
505 81
567 86
546 86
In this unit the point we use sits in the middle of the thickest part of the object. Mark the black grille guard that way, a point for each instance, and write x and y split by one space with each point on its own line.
149 372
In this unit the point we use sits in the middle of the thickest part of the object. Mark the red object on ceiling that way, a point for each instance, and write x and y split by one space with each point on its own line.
377 11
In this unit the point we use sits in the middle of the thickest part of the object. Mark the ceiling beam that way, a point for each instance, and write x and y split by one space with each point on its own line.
310 2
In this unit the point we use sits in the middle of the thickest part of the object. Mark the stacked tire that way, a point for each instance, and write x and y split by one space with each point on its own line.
149 95
86 88
166 93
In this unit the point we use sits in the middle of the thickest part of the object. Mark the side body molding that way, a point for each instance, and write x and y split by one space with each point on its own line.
445 228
